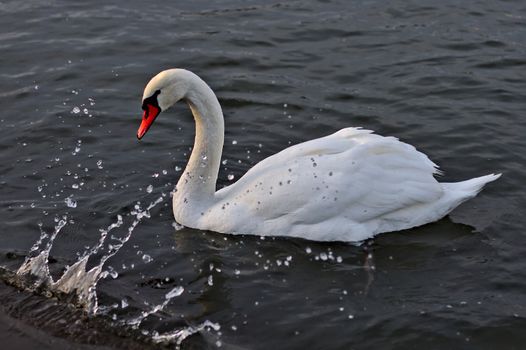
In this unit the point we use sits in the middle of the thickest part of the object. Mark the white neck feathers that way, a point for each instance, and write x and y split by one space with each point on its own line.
200 176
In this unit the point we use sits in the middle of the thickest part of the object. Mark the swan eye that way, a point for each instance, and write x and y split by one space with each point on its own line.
152 100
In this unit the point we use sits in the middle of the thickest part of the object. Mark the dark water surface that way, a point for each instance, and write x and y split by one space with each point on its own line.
446 76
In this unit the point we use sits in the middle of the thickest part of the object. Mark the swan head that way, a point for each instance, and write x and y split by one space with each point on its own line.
161 92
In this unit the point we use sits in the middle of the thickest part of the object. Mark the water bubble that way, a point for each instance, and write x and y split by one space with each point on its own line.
99 164
75 186
339 259
230 177
70 202
323 256
176 226
165 172
178 168
149 189
237 272
155 175
210 280
124 304
308 250
85 110
146 258
234 142
224 162
174 292
75 110
111 271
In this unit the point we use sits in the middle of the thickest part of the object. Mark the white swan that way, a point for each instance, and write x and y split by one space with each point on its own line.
348 186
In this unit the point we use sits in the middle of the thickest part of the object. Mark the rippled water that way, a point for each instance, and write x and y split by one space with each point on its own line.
448 77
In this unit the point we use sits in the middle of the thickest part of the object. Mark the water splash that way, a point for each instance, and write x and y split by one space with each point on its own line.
37 266
77 279
136 321
181 334
80 282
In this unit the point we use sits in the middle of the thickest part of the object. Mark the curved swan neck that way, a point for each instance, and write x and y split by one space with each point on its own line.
200 176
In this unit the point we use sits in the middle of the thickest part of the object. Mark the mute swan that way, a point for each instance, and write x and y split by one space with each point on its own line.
348 186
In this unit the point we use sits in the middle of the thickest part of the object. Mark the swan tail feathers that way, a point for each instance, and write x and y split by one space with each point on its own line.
469 188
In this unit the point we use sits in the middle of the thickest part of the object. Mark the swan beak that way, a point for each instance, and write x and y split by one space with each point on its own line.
150 113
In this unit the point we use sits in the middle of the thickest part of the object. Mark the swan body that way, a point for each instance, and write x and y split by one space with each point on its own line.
348 186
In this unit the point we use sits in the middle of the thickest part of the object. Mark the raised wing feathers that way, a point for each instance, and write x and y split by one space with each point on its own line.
353 174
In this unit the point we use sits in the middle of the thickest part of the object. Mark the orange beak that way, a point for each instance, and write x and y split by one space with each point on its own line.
150 113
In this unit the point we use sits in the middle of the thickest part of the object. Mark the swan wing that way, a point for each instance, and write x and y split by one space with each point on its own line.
351 176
